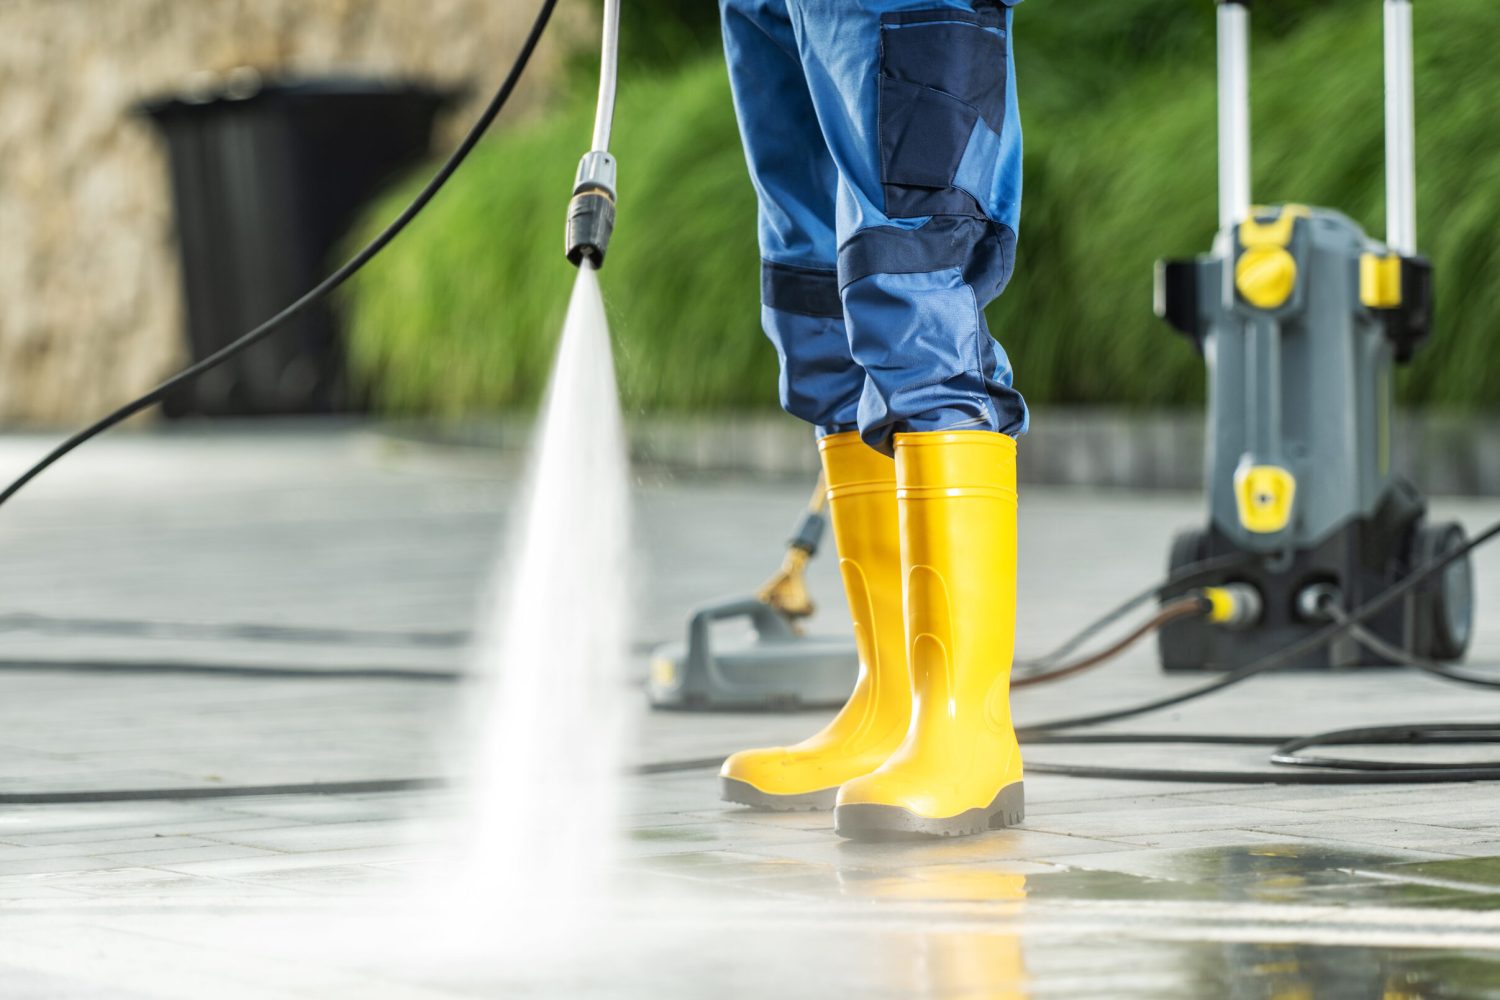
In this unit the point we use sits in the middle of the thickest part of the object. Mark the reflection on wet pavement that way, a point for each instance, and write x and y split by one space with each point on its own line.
939 884
935 958
1470 874
1258 921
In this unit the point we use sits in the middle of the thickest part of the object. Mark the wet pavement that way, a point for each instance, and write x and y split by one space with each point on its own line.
1111 889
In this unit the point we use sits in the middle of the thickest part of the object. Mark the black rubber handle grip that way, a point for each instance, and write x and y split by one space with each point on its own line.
809 532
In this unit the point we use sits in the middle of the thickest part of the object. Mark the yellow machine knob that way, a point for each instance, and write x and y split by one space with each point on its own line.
1265 276
1264 495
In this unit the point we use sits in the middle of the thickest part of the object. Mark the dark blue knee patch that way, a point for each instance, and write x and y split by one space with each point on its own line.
985 251
804 318
806 291
942 72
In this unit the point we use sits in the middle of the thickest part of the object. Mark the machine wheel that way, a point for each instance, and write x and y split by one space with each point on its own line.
1180 643
1446 601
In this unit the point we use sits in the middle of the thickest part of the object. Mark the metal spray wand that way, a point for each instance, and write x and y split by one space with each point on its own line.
591 212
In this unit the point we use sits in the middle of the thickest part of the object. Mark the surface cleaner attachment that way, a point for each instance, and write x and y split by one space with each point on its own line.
775 666
1301 317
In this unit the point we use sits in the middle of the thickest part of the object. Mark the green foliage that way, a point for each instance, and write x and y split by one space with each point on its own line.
655 35
463 313
661 33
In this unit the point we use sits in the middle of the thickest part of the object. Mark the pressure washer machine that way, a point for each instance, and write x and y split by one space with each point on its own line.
1301 318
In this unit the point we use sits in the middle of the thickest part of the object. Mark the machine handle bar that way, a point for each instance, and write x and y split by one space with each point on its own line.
1400 121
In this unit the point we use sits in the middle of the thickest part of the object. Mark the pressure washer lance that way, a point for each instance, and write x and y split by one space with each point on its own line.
591 212
786 590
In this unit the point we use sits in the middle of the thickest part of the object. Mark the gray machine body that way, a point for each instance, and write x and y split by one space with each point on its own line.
1303 387
1306 386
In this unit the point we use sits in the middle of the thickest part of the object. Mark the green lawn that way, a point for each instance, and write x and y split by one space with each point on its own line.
462 314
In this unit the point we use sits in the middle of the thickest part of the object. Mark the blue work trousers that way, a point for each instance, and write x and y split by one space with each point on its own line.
885 146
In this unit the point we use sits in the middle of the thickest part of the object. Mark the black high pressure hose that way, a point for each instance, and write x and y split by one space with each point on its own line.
1287 654
1341 771
1185 579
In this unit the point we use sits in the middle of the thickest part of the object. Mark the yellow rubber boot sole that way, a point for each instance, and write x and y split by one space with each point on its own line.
862 507
958 770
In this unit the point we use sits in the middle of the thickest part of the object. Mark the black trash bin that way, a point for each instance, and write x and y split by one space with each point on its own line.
266 179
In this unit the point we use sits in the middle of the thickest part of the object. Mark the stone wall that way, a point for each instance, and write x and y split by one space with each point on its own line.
90 304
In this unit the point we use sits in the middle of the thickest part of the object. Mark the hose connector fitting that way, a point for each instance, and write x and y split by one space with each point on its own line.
1314 601
1234 605
591 212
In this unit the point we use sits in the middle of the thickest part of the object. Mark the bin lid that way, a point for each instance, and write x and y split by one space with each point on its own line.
246 87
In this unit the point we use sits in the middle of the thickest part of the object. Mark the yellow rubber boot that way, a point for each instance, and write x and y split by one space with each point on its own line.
958 771
862 505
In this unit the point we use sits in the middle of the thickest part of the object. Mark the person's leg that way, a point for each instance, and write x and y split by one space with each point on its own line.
917 102
795 179
916 99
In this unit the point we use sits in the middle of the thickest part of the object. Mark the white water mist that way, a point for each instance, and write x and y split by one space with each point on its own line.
546 769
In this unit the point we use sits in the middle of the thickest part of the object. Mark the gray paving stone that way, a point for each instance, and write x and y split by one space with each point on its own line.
210 824
326 836
94 848
206 852
1216 851
140 879
21 865
255 865
1137 820
1385 832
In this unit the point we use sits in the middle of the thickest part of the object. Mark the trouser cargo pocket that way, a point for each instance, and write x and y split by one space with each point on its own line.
943 73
